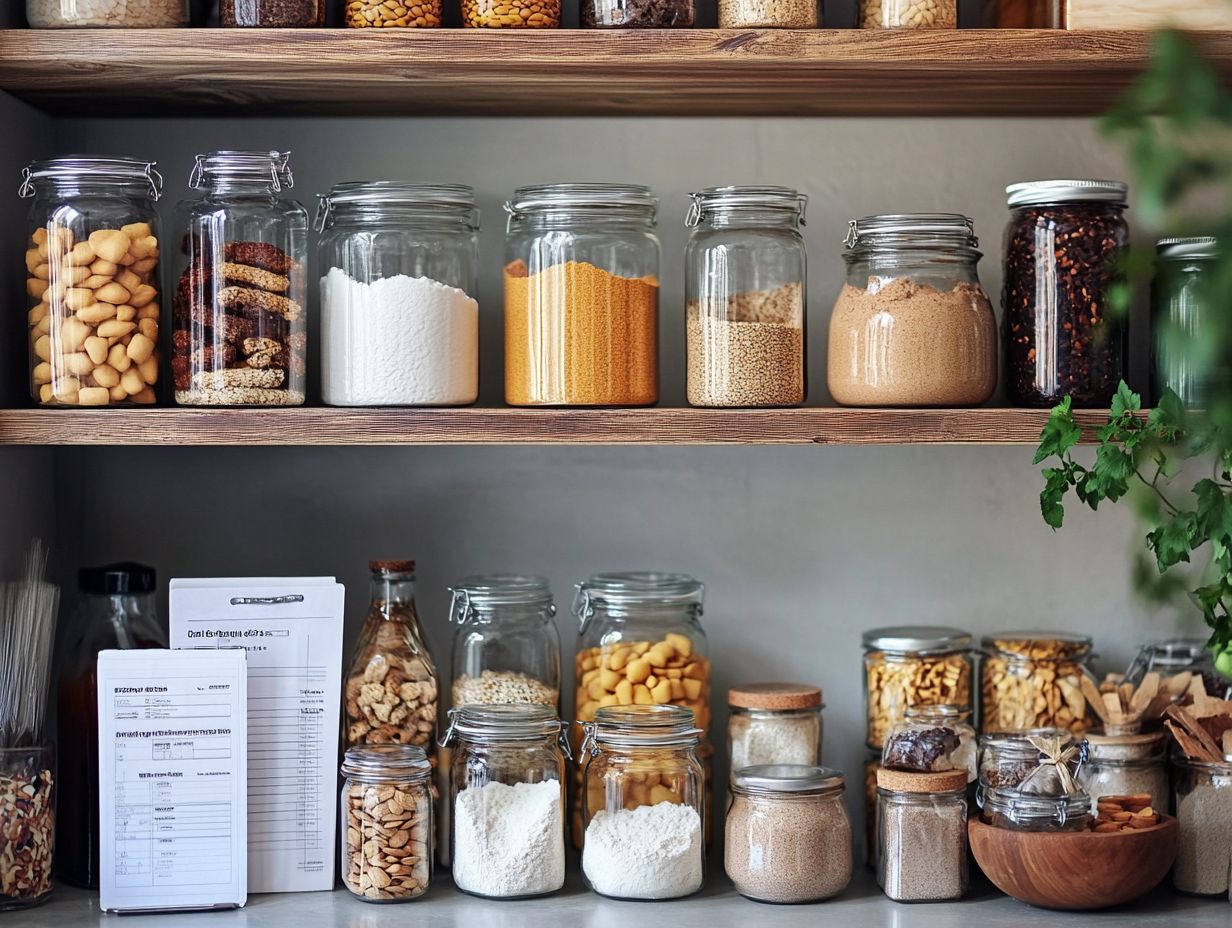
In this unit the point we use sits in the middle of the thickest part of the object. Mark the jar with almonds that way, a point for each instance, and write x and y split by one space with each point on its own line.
914 665
1034 680
386 822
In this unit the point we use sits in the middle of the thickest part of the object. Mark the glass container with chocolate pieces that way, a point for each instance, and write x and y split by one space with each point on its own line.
932 739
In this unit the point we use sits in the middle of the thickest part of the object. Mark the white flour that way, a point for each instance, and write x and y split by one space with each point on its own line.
651 852
509 840
400 341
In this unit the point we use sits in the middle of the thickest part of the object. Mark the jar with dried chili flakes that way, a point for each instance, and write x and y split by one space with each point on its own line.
1061 336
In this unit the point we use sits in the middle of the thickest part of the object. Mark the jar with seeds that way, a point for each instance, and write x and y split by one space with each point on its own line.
909 14
511 14
386 822
390 14
287 14
914 665
922 835
1034 680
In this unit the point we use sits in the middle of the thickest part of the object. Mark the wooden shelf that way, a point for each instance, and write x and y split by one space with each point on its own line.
576 72
488 426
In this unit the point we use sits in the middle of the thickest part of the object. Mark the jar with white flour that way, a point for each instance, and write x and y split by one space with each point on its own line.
399 320
507 798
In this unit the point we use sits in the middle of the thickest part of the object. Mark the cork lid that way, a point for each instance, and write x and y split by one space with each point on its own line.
774 696
903 781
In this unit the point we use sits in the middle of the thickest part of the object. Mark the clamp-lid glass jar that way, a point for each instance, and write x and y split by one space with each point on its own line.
1034 680
386 822
914 665
287 14
240 333
1006 757
507 797
1175 656
922 835
1018 811
908 14
582 296
1060 249
788 834
92 280
644 803
93 14
1202 793
912 325
505 648
745 297
1177 307
399 319
1127 765
773 723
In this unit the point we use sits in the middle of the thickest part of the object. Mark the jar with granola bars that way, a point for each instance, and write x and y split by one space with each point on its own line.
1034 680
914 665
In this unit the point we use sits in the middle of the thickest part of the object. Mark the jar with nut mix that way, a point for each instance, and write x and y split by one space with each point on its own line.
240 308
1034 680
914 665
92 255
644 803
148 14
386 822
392 14
909 14
511 14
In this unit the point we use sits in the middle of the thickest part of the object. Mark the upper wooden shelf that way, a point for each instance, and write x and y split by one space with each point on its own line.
576 72
482 426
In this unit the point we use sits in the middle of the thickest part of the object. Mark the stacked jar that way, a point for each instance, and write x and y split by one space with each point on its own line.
1061 338
240 335
582 296
399 320
1007 757
92 281
93 14
1178 298
745 297
922 835
773 723
933 735
1034 680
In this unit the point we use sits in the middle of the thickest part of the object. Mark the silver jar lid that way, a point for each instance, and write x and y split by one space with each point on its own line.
582 196
273 167
502 723
789 779
1047 192
479 596
73 168
746 197
1079 645
1201 247
405 762
640 726
620 590
903 230
373 195
911 639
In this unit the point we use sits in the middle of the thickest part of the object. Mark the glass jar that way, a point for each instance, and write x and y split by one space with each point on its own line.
92 281
386 822
399 319
872 763
908 14
1007 808
582 296
759 14
773 723
417 14
1060 247
912 325
28 811
1034 680
922 835
1022 14
644 803
506 649
933 738
240 333
508 800
1177 299
116 611
288 14
1176 656
1006 757
1202 793
745 296
1127 765
148 14
913 665
391 688
637 14
788 834
511 14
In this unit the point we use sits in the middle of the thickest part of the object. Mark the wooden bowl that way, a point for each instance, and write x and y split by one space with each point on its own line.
1077 869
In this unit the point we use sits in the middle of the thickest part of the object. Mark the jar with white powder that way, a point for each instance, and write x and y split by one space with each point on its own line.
399 319
508 800
643 803
774 723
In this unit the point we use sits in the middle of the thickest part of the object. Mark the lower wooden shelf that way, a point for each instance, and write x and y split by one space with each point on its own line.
487 426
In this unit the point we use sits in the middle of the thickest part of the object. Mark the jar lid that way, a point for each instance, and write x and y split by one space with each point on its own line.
1143 745
640 726
746 197
1047 192
902 781
454 198
938 713
1022 643
482 594
392 567
796 779
902 230
387 761
635 588
582 196
901 639
126 577
774 696
273 167
83 167
502 723
1199 246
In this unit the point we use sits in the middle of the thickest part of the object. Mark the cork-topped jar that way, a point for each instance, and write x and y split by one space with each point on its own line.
922 835
774 723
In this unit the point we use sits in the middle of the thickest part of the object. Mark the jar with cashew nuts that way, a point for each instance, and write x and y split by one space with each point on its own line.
387 14
92 281
1034 680
914 665
386 823
909 14
511 14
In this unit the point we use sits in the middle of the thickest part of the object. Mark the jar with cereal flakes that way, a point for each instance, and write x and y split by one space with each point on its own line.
914 665
386 824
1034 680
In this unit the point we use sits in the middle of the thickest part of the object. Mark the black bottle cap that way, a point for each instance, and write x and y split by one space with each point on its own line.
113 579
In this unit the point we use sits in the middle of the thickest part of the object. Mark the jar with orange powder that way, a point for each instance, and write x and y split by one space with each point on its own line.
582 296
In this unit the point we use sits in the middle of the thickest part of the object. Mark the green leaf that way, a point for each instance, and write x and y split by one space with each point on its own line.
1125 400
1057 482
1060 432
1173 540
1112 472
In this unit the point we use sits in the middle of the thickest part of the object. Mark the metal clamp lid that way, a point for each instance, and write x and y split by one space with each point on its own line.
905 229
251 165
639 726
506 722
746 197
387 761
84 167
581 196
397 194
474 595
635 588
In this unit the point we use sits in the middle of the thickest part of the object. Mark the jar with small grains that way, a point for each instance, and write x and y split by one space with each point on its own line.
768 14
909 14
1202 794
1006 757
511 14
147 14
1127 765
1034 680
287 14
916 665
386 822
872 763
773 723
388 14
922 835
1017 811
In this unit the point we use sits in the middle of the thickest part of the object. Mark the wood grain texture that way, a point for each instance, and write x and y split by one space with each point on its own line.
575 72
482 426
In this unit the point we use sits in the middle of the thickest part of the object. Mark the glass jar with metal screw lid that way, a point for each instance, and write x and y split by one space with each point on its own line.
788 834
1177 308
745 297
773 723
386 822
922 835
1033 679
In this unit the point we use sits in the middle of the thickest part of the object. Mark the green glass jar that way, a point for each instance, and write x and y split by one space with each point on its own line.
1176 316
